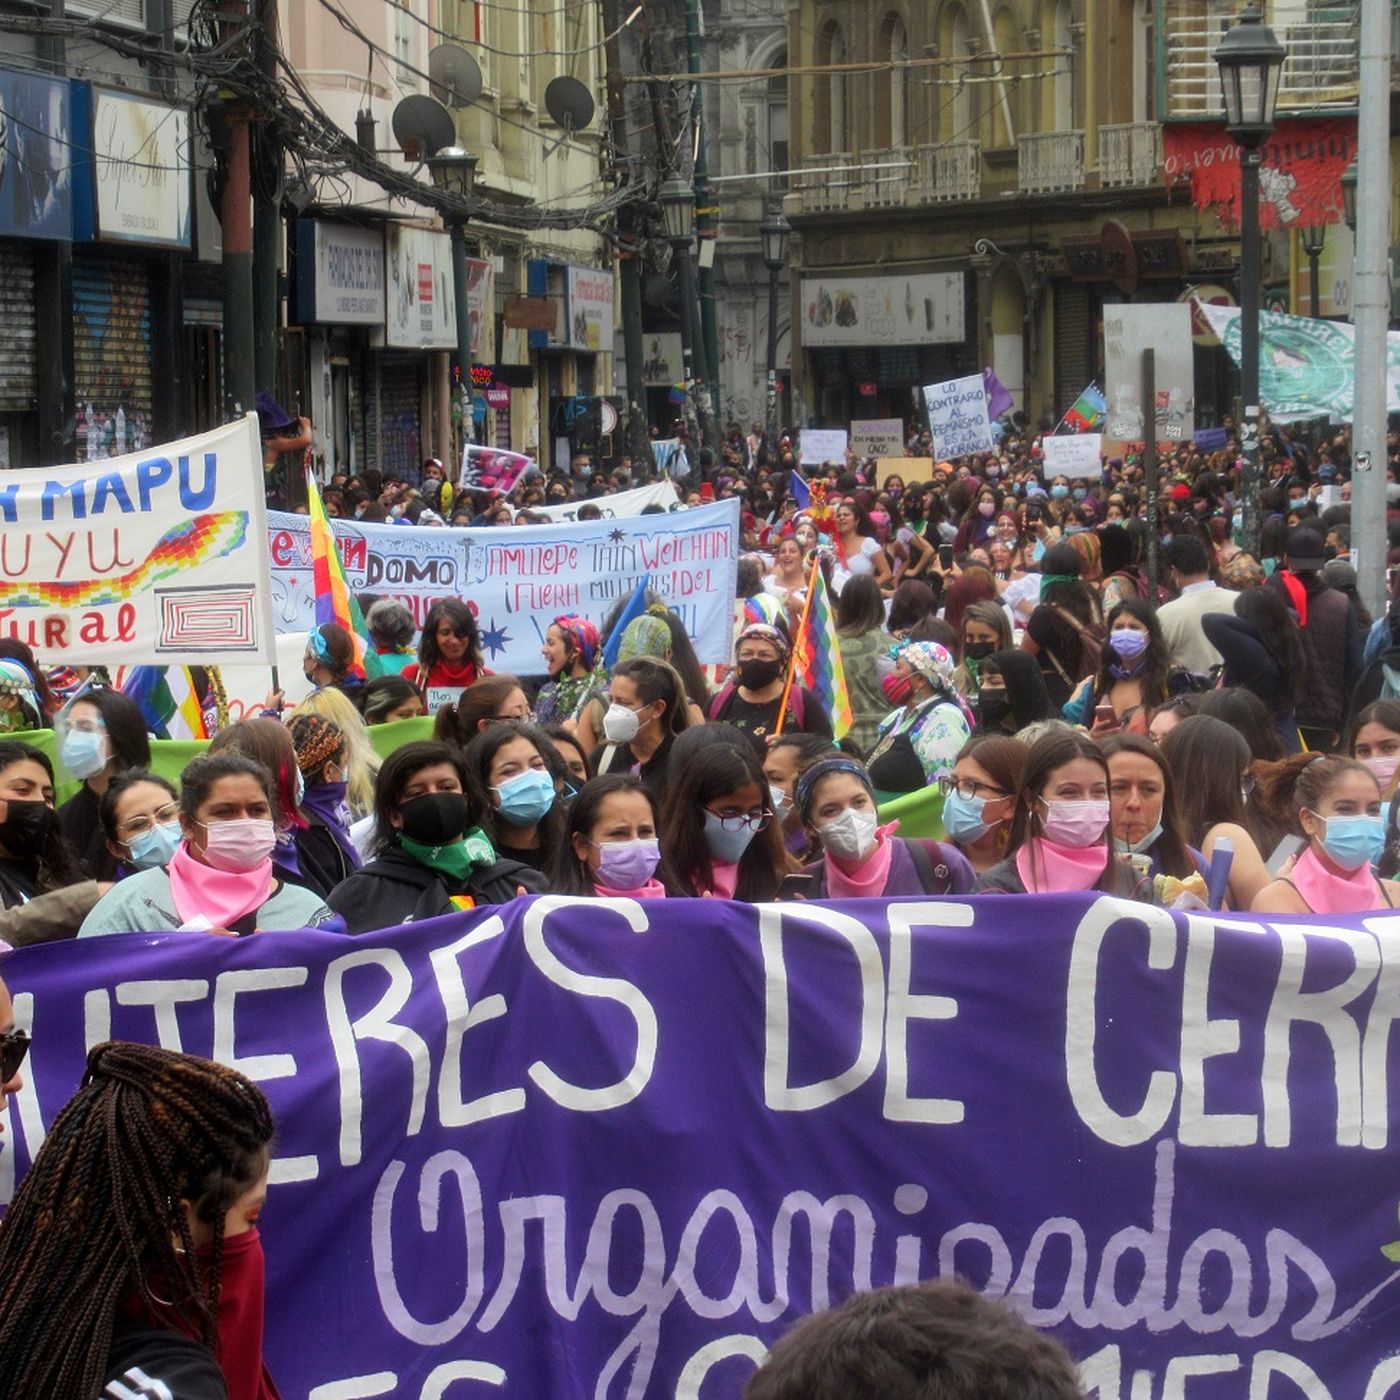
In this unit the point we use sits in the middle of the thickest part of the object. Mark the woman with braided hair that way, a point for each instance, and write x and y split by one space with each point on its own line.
130 1257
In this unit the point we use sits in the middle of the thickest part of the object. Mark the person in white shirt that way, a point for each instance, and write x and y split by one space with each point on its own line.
1181 618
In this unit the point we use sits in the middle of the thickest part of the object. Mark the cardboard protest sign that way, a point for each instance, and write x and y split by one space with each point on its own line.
817 446
957 417
1165 328
1073 454
877 437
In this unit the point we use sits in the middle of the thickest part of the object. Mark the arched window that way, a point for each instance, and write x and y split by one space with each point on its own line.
1005 111
892 92
776 118
1064 65
831 105
959 109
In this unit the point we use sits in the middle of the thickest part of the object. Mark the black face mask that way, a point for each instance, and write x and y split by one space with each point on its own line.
978 651
992 707
28 827
754 675
435 818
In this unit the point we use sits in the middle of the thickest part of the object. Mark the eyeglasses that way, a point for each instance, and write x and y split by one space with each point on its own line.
968 788
137 826
739 821
14 1046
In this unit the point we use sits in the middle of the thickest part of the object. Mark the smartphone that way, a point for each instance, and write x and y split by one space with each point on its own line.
796 886
1290 845
945 555
1105 715
1033 512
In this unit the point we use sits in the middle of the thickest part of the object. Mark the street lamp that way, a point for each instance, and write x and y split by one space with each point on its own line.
1250 60
677 201
1313 238
774 233
1349 177
454 171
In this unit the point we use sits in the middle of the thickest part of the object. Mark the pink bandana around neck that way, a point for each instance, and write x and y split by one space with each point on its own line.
868 880
1325 890
221 896
653 889
1047 867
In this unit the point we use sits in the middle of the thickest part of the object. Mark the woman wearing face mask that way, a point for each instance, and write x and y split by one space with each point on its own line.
330 657
1012 693
509 779
571 657
1060 631
978 523
610 848
100 734
979 798
1132 672
646 711
789 756
326 855
1144 820
1336 804
751 698
860 858
985 629
1374 741
164 1284
43 894
717 826
220 878
924 735
1059 838
429 854
141 820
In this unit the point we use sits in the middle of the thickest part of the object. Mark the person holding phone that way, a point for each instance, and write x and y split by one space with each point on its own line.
1132 671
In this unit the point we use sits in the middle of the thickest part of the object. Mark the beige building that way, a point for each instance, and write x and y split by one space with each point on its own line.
996 178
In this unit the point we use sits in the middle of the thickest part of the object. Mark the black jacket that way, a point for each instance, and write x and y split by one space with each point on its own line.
1334 644
396 889
151 1363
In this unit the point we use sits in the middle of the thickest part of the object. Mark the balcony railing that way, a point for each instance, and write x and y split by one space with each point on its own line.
950 171
1050 162
1130 156
883 178
830 184
899 177
1320 69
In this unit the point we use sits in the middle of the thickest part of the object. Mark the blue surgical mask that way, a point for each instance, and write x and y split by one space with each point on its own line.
1080 492
155 847
1128 642
964 818
1352 842
1059 493
84 752
523 801
1136 848
726 847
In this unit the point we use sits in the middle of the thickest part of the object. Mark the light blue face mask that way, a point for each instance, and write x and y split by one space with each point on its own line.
155 847
524 800
84 752
727 847
1352 842
1136 848
963 817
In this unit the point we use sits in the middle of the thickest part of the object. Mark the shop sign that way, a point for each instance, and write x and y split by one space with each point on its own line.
590 310
420 313
340 274
663 364
898 309
498 396
36 162
531 314
141 170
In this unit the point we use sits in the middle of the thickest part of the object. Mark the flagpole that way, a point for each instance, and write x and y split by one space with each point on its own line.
796 642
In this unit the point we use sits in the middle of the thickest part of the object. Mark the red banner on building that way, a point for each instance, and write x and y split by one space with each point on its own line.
1300 178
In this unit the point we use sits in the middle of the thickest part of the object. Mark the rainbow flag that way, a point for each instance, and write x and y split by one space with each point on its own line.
168 700
334 600
817 657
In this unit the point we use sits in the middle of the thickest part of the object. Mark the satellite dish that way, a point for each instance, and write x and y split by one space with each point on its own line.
454 75
570 104
422 126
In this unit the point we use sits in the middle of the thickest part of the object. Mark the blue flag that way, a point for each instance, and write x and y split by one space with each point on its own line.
636 606
799 490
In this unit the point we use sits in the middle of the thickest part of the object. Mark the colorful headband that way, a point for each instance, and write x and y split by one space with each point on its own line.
582 633
824 768
763 632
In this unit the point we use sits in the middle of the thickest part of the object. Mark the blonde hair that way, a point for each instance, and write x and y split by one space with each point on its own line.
361 760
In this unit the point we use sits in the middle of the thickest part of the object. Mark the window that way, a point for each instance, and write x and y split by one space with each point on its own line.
1064 75
955 42
892 93
830 132
1003 100
777 120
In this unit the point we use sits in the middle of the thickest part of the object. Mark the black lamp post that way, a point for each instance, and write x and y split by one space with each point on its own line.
1250 60
677 201
1349 178
775 233
1313 238
454 170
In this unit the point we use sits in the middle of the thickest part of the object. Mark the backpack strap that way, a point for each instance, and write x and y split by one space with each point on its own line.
927 856
721 701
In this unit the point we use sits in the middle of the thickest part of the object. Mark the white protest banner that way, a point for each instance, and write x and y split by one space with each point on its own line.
625 503
158 556
1073 454
877 437
1165 328
957 416
671 457
817 446
517 579
493 468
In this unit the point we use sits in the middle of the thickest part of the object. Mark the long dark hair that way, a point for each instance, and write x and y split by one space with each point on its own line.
1170 847
394 776
460 723
570 875
1245 712
1265 611
714 770
1074 597
57 863
1207 760
269 742
1025 686
1153 679
477 760
126 725
655 680
860 608
100 1213
463 620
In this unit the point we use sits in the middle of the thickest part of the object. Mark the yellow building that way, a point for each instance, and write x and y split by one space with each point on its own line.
977 179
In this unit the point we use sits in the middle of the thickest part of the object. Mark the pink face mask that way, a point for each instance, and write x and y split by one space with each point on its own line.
1382 767
238 846
1075 824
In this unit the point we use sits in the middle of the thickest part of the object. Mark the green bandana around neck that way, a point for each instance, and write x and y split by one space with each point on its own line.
457 860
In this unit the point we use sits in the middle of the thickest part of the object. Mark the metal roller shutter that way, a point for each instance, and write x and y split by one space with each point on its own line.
398 430
111 355
1074 365
19 384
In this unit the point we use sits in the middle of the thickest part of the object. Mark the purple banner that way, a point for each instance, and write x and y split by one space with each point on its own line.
604 1149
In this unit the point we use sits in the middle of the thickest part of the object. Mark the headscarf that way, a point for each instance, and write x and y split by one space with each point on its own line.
1086 545
824 768
16 680
647 635
582 633
933 662
316 741
763 632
